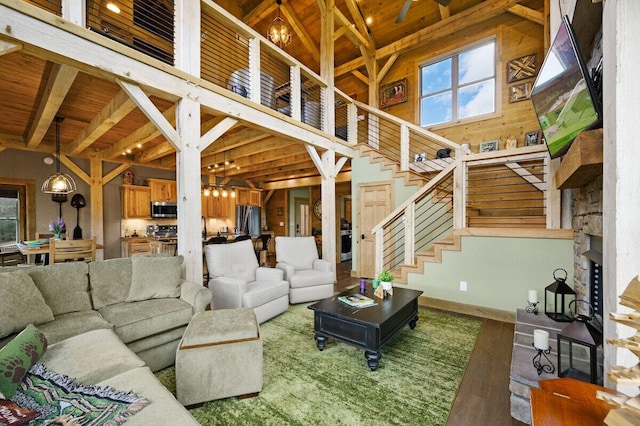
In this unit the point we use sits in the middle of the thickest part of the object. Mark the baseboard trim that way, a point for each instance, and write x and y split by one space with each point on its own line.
461 308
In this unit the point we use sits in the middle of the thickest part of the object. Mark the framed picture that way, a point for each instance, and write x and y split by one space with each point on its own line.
279 211
532 138
420 157
488 146
393 93
520 92
521 68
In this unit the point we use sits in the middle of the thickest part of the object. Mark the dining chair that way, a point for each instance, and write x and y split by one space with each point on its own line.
72 250
42 259
242 238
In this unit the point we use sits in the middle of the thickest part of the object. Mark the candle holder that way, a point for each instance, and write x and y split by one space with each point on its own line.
532 307
539 363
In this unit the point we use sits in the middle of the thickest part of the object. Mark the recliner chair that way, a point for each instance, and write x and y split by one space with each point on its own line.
237 281
310 278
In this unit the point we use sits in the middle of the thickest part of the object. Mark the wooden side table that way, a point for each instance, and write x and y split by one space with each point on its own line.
568 402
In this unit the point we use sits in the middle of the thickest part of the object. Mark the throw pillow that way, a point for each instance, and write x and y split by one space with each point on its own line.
154 277
17 357
21 303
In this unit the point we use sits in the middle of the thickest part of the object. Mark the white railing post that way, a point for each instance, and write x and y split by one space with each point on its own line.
254 70
352 129
404 147
295 96
409 234
460 195
379 236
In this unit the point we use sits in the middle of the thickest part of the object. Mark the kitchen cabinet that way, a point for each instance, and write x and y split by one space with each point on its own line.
135 201
163 190
136 245
248 197
218 207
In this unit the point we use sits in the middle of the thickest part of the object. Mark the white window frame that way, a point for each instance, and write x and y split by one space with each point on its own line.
454 54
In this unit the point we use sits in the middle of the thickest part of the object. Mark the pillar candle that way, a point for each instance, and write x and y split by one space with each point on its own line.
541 339
533 296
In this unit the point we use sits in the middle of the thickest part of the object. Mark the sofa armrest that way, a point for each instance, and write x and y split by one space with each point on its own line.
195 294
227 292
269 274
321 265
286 268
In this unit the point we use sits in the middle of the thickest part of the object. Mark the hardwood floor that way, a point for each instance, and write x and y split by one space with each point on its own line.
483 397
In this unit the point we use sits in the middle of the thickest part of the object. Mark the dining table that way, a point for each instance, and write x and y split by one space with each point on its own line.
43 249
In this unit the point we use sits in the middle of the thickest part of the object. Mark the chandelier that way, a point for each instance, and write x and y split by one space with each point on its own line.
216 190
278 32
58 183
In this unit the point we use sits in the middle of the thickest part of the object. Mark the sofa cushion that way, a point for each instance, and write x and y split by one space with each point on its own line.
17 357
311 277
164 408
21 303
91 357
154 277
110 281
260 292
136 320
65 286
72 324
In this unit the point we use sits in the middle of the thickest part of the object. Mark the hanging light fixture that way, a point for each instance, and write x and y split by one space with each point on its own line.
278 32
58 183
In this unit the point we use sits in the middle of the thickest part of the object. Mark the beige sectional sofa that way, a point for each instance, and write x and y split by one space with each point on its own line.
108 322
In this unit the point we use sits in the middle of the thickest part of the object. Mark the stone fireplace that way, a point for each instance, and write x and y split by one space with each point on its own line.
587 245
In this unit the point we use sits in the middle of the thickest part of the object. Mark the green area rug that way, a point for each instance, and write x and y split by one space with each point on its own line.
416 382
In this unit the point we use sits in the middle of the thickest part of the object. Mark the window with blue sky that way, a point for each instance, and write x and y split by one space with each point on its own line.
459 86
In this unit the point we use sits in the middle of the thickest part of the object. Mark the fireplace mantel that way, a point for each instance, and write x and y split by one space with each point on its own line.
583 161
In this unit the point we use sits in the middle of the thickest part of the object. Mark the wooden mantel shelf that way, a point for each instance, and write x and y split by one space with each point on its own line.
583 161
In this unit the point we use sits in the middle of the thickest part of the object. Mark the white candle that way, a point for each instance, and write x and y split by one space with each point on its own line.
533 296
541 339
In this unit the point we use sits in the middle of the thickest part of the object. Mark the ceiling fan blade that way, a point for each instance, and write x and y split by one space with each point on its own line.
443 2
403 11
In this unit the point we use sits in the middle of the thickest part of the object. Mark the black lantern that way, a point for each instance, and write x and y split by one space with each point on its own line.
557 296
580 349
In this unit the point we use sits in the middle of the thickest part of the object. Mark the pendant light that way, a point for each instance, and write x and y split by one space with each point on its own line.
278 32
58 183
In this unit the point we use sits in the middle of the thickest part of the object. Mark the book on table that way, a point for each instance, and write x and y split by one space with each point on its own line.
357 300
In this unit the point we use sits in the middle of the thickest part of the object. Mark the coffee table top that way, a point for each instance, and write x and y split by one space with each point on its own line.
376 314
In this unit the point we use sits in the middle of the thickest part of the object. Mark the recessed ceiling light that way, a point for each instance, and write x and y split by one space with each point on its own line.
369 20
47 160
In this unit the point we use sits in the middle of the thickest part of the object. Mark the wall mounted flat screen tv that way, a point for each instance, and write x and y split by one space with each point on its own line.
563 95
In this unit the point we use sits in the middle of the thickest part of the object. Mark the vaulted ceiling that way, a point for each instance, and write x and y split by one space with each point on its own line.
100 120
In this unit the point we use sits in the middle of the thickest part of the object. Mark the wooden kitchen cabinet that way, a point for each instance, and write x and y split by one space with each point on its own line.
218 207
163 190
248 197
136 245
135 201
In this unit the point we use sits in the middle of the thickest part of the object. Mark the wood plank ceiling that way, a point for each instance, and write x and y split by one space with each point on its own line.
101 121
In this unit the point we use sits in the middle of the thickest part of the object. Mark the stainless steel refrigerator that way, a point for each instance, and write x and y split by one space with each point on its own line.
248 220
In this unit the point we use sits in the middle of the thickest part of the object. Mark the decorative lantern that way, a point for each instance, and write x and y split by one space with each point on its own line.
580 349
557 296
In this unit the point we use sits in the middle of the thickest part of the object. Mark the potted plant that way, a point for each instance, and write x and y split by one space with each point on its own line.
385 277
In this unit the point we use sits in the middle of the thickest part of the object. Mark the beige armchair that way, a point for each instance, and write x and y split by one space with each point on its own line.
236 281
310 278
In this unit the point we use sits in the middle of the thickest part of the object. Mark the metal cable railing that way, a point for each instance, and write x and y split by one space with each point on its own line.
434 215
143 25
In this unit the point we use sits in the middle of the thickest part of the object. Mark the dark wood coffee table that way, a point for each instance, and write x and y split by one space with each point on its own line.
365 328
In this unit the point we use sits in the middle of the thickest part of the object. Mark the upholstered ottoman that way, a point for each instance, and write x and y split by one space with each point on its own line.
220 355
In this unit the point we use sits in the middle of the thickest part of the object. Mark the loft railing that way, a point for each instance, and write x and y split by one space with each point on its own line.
502 189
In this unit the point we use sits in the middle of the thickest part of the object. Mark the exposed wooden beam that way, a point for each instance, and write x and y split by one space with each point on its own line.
156 152
9 47
357 74
352 33
317 160
54 87
455 23
359 22
301 32
114 173
445 12
387 66
144 134
216 132
111 114
339 33
75 169
527 13
151 111
297 183
260 12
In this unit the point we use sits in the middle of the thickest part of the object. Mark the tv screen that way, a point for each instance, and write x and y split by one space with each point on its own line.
563 95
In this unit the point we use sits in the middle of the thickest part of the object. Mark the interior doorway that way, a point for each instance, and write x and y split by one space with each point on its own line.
375 205
302 219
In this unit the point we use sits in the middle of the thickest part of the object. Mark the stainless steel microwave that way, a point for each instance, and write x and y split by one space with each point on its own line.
163 209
